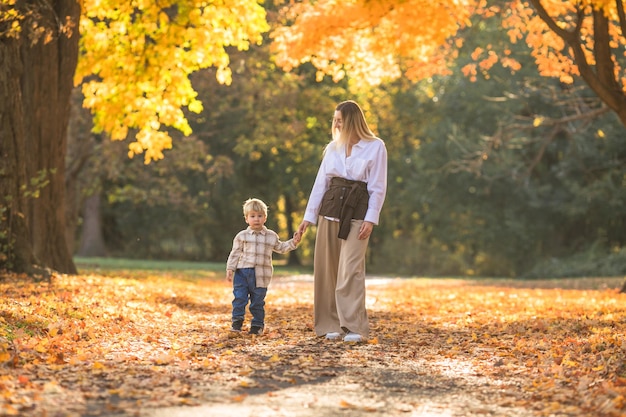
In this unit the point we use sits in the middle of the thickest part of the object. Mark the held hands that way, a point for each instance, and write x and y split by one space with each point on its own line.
297 237
302 228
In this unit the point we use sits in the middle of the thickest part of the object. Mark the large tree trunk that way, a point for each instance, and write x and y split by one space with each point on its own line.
37 75
15 248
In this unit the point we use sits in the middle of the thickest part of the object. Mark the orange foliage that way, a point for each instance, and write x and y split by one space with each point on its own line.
135 341
366 37
376 40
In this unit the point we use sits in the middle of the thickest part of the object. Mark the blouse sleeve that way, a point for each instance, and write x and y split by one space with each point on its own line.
377 184
317 193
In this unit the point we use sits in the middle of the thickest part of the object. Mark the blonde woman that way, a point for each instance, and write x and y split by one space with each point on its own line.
345 204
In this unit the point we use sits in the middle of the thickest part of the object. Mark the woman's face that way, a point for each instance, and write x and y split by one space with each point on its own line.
337 121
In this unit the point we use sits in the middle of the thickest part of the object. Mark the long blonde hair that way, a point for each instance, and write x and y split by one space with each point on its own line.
354 124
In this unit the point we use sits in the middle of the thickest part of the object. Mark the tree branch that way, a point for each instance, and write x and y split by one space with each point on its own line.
613 97
622 16
542 150
567 36
605 67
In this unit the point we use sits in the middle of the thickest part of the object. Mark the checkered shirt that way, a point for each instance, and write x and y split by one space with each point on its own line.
254 250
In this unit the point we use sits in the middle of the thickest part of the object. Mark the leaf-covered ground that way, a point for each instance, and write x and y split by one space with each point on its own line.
133 344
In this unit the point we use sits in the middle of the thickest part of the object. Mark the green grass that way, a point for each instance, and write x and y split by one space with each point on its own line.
153 265
191 270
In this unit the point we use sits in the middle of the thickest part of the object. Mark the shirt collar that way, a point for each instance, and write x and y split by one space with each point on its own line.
252 232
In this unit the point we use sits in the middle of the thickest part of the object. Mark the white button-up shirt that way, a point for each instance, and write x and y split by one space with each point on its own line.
367 162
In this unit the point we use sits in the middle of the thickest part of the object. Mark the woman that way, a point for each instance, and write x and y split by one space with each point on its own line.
345 203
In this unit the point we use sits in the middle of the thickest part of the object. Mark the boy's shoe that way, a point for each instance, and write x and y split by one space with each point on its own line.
353 337
333 336
256 330
236 326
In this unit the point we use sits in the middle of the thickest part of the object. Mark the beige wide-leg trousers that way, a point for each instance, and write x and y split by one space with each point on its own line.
339 272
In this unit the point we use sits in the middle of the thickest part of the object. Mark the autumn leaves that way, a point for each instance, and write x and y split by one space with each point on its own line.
129 343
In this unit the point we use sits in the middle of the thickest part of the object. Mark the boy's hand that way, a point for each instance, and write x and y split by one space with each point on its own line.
297 237
229 275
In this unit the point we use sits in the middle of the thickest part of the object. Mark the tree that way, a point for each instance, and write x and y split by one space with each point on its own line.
589 35
377 40
135 57
38 55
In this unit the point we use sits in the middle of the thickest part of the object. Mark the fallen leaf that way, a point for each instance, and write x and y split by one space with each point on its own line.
345 404
239 398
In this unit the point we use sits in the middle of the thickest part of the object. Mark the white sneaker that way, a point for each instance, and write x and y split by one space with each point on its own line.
333 336
353 337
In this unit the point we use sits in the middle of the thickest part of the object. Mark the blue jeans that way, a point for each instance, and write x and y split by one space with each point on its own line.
244 289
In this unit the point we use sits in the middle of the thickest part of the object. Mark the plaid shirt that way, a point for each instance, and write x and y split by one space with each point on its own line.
254 250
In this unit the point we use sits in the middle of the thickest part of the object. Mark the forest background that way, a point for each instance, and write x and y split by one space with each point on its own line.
492 172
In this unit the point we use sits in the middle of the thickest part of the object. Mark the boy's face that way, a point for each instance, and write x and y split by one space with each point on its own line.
256 220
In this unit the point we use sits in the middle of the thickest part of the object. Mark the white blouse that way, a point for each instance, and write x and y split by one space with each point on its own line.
367 162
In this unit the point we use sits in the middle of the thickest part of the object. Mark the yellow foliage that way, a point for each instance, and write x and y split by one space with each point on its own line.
136 57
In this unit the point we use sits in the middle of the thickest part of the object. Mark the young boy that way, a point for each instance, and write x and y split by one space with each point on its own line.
250 262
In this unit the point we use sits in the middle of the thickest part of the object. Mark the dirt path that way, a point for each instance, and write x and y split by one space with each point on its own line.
319 378
416 389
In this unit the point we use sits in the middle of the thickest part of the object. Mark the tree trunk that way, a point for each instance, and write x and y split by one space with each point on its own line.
37 73
80 150
293 258
15 248
92 241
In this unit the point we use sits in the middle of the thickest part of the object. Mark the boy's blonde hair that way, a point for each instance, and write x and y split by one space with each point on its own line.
254 204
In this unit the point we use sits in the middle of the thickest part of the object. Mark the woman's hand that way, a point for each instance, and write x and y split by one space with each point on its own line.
302 228
366 230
